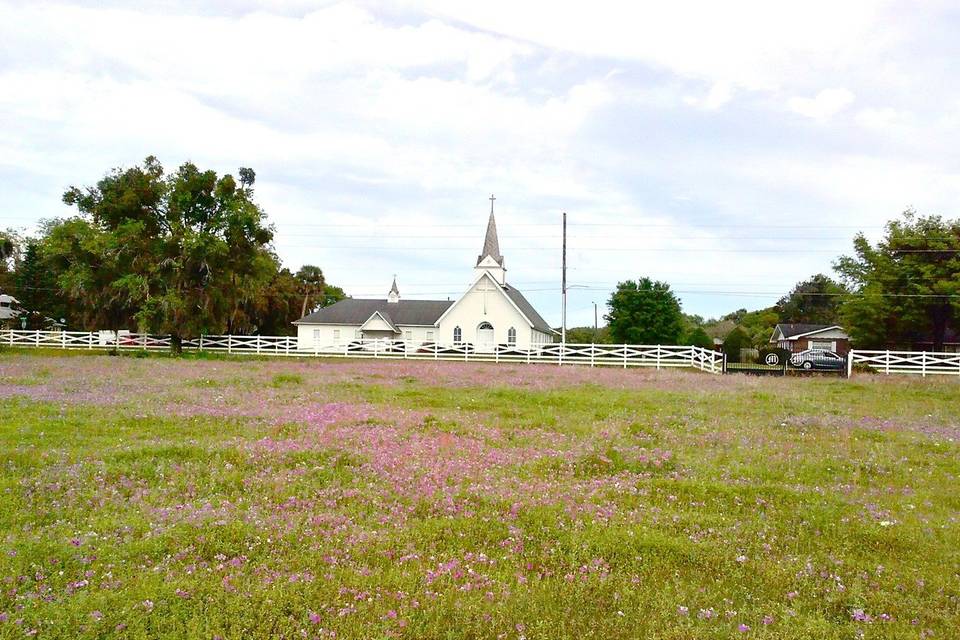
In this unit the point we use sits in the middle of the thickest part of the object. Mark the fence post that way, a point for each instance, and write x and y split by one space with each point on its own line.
850 363
200 347
63 339
593 349
923 365
886 363
724 361
229 343
36 338
658 357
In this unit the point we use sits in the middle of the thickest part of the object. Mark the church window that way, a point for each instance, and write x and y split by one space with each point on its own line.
336 336
485 325
316 336
512 336
430 335
457 335
408 335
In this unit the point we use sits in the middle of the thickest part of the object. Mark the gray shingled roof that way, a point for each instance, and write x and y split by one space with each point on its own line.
790 330
357 310
527 309
491 245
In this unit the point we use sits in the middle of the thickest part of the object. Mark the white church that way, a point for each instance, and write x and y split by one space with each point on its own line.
490 313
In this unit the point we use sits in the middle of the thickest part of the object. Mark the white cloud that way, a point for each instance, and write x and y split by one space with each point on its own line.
748 43
826 104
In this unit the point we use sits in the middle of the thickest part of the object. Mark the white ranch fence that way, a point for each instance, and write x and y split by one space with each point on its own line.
626 355
922 363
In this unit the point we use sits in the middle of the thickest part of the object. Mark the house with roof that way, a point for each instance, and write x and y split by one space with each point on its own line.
796 337
490 312
9 311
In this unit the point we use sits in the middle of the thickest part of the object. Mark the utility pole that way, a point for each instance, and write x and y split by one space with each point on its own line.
594 322
563 284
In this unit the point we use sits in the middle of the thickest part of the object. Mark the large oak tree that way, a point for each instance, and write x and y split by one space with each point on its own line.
907 286
180 254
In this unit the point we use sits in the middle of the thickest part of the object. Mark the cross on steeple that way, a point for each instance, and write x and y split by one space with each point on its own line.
492 198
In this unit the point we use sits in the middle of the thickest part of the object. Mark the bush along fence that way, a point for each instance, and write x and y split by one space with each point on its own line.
627 355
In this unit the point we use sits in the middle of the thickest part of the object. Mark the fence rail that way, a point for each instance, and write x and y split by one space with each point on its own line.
657 356
922 363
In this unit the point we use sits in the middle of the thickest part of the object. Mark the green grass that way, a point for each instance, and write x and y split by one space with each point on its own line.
195 499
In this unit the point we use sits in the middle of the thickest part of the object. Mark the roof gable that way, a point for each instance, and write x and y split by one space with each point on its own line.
379 321
514 297
791 331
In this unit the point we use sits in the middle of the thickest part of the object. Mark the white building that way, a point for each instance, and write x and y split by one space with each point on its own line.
9 309
490 313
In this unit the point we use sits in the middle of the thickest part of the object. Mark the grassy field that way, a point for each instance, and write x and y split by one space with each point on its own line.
148 498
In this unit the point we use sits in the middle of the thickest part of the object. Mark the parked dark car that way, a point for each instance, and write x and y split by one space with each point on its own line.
818 359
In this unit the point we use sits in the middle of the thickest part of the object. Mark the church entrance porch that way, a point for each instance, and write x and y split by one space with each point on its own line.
485 342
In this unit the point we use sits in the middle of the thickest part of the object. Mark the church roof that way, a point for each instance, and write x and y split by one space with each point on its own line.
356 311
491 245
527 309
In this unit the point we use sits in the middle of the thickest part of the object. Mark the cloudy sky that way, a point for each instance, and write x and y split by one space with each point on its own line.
730 148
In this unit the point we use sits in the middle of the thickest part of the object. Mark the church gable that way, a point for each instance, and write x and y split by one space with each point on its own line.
379 322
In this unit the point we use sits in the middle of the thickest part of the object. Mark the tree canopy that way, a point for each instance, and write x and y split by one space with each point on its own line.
182 254
816 300
644 312
907 286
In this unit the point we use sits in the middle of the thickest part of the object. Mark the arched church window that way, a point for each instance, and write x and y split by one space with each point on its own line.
485 325
457 335
512 336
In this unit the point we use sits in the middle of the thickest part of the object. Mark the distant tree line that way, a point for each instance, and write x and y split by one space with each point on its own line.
184 254
903 290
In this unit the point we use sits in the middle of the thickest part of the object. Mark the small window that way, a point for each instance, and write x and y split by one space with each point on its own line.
457 335
408 336
430 335
512 336
336 336
316 335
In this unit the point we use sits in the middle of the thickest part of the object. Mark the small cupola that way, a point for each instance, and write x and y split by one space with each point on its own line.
394 296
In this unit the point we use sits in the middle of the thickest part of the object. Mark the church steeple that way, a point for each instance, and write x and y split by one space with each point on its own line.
491 245
490 258
394 295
